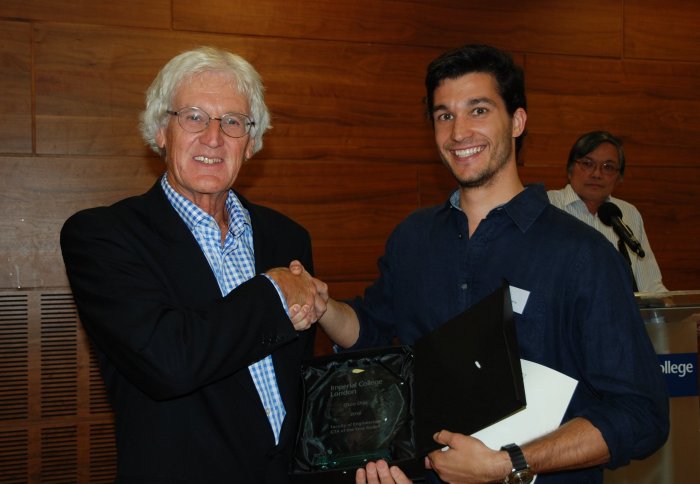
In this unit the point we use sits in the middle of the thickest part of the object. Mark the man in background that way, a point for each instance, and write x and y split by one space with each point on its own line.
596 165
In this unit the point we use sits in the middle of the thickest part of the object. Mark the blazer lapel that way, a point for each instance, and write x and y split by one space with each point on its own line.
182 254
184 257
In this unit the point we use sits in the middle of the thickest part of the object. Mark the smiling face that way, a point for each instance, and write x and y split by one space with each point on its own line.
203 166
595 187
473 130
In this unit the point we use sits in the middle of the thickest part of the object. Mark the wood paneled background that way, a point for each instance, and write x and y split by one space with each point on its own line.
349 156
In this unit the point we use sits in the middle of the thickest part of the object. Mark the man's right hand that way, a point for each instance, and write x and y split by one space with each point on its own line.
304 294
321 299
337 319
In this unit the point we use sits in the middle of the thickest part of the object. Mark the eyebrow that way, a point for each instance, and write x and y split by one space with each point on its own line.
470 102
609 160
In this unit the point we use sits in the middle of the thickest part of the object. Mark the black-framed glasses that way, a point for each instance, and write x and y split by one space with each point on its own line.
608 168
195 120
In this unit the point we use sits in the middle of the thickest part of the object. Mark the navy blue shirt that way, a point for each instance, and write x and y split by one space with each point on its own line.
580 317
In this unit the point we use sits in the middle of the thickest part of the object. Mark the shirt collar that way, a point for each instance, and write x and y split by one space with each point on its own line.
526 206
523 209
454 200
570 197
192 215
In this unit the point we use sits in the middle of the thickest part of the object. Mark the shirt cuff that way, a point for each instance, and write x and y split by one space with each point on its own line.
279 293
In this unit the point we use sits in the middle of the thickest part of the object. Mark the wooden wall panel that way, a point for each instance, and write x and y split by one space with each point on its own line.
59 432
16 88
38 194
593 27
653 106
659 29
137 13
90 84
436 183
670 217
14 456
91 81
352 102
349 209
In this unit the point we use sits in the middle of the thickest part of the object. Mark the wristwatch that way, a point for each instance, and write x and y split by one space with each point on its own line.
521 473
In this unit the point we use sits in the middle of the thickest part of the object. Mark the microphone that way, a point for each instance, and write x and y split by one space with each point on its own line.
610 215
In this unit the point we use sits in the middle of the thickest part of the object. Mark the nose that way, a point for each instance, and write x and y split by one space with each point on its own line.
597 171
212 135
461 128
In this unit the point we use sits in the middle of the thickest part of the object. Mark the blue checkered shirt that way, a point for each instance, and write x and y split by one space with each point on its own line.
232 264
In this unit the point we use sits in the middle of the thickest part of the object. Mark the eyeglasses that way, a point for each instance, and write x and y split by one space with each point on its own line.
589 166
195 120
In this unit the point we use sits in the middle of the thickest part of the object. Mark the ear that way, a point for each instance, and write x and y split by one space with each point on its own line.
249 150
519 120
160 138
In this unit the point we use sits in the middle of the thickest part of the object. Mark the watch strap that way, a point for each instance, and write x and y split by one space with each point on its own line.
516 457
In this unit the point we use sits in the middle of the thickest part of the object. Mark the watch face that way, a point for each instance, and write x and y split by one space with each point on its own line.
524 476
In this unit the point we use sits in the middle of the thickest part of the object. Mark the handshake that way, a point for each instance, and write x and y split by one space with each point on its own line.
306 296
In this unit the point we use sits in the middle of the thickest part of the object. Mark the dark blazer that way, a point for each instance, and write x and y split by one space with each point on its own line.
174 353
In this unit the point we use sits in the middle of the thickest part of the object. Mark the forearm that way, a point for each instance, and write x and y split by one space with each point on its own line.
167 335
340 323
576 444
168 351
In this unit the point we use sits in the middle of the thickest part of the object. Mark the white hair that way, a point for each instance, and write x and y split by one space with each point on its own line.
182 68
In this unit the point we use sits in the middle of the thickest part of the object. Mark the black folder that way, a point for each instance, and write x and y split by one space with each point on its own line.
462 377
467 373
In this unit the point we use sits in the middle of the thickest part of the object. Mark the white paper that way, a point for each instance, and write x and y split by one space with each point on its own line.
548 394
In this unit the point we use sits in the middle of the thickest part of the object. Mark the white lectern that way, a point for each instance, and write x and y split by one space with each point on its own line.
671 320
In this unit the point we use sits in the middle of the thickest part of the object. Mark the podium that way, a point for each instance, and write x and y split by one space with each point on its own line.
671 321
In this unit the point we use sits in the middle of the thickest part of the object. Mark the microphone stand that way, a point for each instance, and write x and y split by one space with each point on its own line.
622 247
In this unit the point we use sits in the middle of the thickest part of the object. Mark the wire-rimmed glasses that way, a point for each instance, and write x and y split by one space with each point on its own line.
195 120
608 168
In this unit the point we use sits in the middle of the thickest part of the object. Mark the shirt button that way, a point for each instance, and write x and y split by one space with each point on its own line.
268 411
464 286
459 236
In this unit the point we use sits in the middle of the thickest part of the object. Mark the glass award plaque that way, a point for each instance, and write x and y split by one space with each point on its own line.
357 408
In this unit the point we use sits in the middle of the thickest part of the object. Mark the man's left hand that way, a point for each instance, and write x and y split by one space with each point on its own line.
380 473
